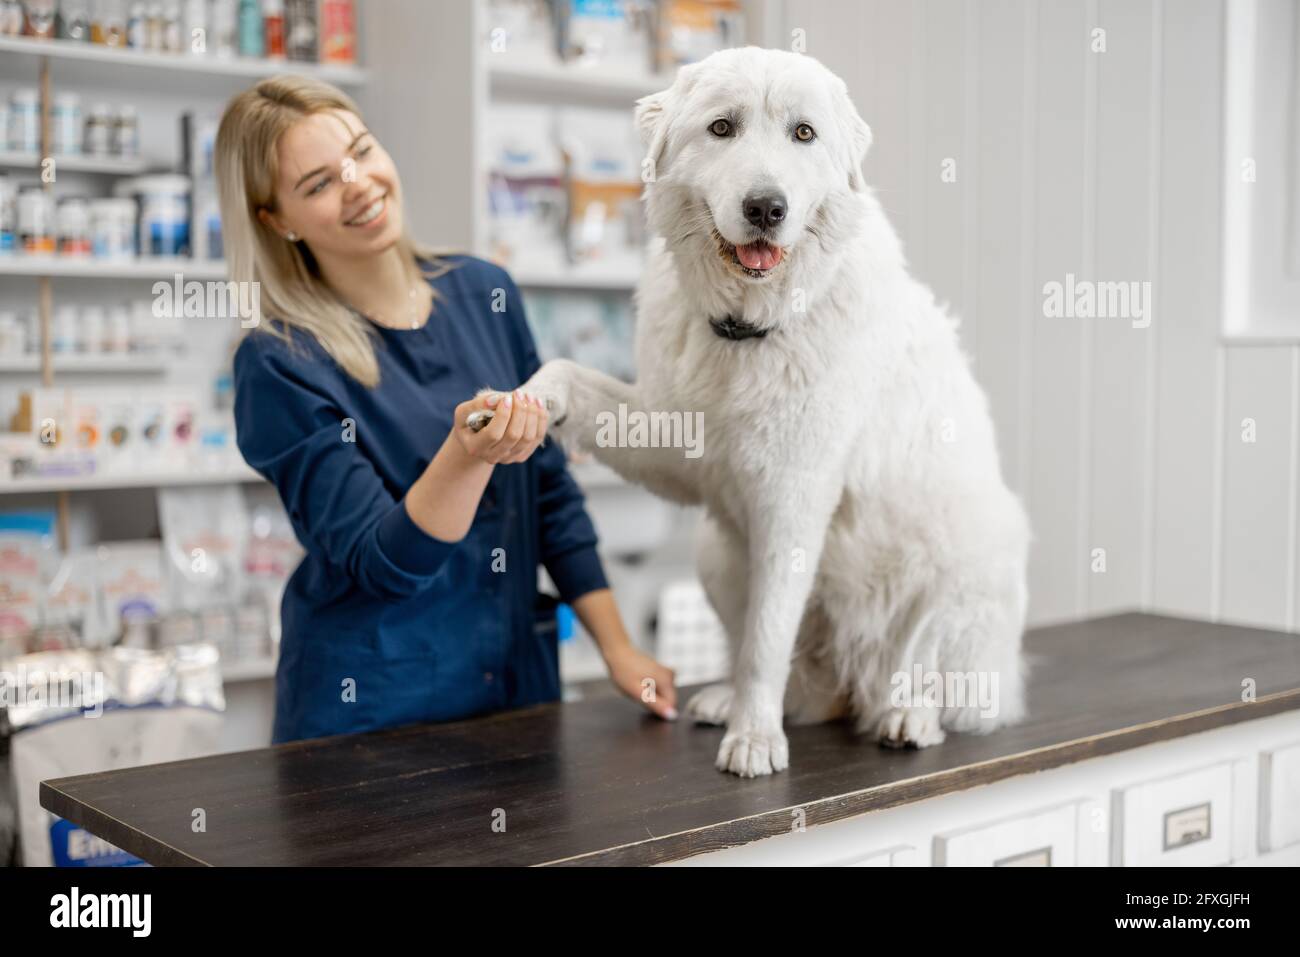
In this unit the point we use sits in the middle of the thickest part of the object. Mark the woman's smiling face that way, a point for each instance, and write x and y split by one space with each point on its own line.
337 188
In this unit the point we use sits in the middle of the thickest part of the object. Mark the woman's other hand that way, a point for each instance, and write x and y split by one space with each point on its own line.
517 428
643 679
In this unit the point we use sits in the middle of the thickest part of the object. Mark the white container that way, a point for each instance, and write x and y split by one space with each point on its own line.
74 227
90 331
65 124
126 133
36 221
99 130
64 340
164 213
117 330
112 228
13 335
25 121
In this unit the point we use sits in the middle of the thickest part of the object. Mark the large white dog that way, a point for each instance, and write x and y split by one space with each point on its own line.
858 532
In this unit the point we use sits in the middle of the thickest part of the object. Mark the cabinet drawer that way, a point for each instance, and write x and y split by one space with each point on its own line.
1279 798
901 856
1045 838
1178 821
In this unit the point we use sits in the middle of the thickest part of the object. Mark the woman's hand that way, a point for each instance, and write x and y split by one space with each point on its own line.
642 678
517 428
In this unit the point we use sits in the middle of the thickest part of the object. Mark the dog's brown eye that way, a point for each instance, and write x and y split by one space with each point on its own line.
804 133
720 128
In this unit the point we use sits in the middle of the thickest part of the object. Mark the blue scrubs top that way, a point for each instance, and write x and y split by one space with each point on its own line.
423 629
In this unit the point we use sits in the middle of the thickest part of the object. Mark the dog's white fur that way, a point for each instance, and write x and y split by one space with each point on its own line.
856 520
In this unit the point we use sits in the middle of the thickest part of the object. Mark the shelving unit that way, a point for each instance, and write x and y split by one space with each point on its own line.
108 165
203 81
85 65
85 483
85 267
125 364
87 61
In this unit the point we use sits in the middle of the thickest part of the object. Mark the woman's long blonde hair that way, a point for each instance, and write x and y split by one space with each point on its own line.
292 290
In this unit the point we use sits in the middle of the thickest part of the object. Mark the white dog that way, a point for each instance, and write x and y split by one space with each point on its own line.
858 530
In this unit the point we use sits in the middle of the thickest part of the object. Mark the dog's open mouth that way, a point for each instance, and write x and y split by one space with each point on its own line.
755 259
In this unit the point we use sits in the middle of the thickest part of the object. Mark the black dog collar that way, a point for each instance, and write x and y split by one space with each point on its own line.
731 328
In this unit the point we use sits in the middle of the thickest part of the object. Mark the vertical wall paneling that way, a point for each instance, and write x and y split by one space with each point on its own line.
1155 147
1055 485
1001 289
1118 457
1259 428
1188 297
941 218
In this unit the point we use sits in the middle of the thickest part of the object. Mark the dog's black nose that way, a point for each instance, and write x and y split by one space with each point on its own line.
764 211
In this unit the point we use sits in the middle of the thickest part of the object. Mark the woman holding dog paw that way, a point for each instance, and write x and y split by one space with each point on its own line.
417 599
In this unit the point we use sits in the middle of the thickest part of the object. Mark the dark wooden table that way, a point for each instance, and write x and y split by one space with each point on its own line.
600 782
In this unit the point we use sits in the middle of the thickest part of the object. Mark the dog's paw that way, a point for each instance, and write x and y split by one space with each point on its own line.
711 705
753 753
910 728
550 383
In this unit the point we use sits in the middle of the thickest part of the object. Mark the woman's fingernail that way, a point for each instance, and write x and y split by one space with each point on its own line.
493 399
507 402
671 714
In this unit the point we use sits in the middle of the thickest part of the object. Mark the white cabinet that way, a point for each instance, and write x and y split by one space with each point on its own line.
1279 798
1181 820
1045 838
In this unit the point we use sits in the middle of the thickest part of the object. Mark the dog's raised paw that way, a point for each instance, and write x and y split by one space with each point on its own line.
753 753
910 728
710 705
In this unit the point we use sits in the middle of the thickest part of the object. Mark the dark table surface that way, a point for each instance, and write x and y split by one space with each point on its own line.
602 782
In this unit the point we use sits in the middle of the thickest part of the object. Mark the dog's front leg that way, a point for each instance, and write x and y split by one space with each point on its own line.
787 528
584 407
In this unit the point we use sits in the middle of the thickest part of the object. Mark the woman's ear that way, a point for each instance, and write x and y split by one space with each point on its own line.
270 219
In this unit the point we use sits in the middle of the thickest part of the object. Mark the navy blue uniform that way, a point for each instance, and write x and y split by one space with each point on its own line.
427 629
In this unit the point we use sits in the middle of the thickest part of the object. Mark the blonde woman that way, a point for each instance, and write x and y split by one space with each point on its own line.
417 598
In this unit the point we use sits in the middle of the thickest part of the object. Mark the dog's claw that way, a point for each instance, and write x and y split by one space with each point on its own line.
910 728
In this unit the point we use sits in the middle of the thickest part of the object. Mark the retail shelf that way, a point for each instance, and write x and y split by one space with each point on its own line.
614 277
128 480
247 669
73 267
536 78
160 67
113 165
86 363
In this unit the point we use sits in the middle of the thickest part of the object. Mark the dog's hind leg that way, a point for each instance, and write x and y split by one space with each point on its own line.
586 405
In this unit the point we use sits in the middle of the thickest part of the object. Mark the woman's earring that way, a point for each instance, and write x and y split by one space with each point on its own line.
291 236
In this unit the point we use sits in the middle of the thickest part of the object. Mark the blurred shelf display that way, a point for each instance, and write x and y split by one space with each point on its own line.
79 364
250 669
112 165
612 85
159 67
238 474
600 276
90 267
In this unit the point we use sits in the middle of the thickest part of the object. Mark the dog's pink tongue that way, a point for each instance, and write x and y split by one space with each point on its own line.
759 255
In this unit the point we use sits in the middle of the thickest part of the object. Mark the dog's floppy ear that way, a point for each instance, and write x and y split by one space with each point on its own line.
652 123
856 135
